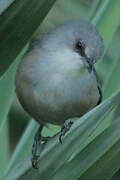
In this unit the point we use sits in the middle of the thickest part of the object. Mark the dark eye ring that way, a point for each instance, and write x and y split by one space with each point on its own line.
80 48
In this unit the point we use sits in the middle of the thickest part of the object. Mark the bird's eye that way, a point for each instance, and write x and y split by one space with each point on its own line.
80 48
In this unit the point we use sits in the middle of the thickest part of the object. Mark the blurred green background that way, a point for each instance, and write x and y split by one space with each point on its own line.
21 20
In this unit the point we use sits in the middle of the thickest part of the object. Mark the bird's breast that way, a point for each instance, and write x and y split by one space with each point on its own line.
64 96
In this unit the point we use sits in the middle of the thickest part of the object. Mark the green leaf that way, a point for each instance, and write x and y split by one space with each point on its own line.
110 61
6 99
17 24
95 8
4 4
6 92
106 166
112 80
23 149
96 160
66 10
107 20
4 148
106 23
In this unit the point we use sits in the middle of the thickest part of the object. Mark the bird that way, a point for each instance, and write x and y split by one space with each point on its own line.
56 81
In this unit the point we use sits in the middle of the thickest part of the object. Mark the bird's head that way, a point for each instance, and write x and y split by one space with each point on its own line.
78 36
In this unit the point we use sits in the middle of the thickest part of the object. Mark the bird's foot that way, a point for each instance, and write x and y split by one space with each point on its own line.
65 128
38 144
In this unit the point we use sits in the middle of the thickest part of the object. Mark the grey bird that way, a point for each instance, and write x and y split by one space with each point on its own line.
56 80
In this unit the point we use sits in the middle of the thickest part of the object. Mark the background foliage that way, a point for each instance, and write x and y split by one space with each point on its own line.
91 150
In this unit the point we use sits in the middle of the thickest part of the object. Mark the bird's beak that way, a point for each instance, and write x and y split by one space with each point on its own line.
90 65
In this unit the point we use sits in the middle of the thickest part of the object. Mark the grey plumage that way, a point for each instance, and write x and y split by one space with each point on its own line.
53 81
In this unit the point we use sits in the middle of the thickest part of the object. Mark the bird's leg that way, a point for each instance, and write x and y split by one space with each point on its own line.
38 140
66 127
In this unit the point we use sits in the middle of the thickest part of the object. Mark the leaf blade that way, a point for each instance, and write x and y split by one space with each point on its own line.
18 22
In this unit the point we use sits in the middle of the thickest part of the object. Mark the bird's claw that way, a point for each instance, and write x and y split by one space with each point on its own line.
34 161
36 150
65 128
